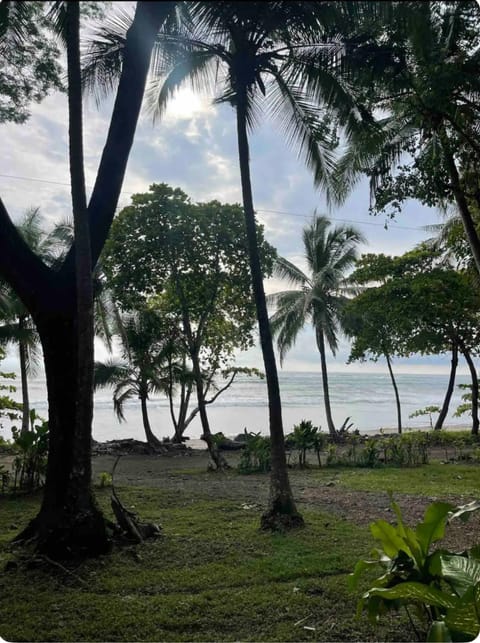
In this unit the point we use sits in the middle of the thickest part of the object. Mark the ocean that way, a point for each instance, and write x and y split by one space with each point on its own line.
367 398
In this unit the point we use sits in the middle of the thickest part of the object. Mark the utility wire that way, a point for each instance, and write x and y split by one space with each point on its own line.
264 210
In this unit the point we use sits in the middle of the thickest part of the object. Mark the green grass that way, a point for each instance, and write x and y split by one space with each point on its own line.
211 576
433 479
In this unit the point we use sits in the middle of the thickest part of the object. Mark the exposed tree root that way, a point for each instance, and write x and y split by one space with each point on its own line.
273 520
129 523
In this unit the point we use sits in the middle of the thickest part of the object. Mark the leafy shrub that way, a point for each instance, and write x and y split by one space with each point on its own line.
306 437
30 464
105 480
441 587
256 453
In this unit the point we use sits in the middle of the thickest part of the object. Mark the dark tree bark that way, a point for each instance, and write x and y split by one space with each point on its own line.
397 396
151 438
451 384
22 354
462 203
326 392
69 522
281 512
473 375
218 459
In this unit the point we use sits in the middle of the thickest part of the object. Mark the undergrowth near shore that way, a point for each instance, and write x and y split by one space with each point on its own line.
213 575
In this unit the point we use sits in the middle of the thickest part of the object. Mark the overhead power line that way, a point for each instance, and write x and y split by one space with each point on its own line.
264 210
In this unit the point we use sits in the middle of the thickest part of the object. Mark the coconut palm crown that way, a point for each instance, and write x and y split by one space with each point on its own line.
319 296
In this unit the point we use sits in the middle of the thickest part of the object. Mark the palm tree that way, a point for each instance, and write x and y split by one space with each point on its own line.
319 296
145 369
429 99
273 56
279 56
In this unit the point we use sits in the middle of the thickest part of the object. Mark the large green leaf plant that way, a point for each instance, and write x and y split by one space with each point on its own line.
440 587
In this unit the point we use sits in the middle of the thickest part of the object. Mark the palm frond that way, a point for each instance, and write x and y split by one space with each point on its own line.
192 66
110 373
103 56
290 272
299 120
121 395
290 317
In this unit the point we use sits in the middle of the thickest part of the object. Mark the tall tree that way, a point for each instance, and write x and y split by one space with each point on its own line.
428 96
192 259
276 56
69 521
319 296
414 304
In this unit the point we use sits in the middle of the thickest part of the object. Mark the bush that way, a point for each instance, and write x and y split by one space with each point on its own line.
256 453
30 464
442 587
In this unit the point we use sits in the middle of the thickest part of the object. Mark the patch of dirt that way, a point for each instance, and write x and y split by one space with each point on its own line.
361 507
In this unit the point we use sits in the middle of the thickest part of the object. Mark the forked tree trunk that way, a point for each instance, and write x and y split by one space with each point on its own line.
326 392
281 512
218 459
397 396
23 358
450 388
69 522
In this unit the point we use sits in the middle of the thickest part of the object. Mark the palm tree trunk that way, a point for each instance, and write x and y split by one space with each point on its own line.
397 396
473 375
281 510
451 384
22 354
462 204
152 439
326 392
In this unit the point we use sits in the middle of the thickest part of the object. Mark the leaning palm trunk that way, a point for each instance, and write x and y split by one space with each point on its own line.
461 201
397 396
282 510
326 392
152 439
451 384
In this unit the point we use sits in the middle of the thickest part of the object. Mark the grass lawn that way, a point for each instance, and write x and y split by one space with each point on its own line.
212 576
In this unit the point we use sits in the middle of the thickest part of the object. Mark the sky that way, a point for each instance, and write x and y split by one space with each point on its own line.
194 147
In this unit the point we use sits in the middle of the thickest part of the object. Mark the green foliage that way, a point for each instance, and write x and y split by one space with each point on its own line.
193 255
29 59
306 437
9 408
466 406
428 410
105 480
29 465
441 586
256 454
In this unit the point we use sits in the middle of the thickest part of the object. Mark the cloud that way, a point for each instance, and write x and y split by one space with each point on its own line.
194 147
